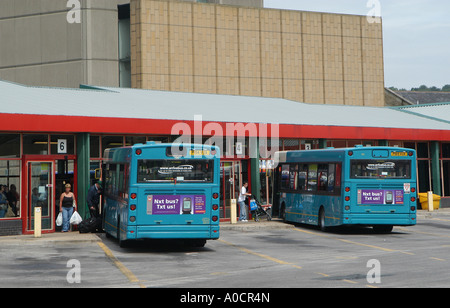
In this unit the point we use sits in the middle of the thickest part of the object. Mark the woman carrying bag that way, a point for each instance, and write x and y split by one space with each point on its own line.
67 206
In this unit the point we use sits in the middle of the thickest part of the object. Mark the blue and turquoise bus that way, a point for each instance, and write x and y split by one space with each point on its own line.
370 186
162 191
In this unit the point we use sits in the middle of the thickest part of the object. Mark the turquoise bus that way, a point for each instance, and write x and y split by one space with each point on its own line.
161 191
369 186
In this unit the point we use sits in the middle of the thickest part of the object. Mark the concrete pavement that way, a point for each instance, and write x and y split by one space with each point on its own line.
74 236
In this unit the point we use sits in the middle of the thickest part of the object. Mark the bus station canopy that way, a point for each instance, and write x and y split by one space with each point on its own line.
107 110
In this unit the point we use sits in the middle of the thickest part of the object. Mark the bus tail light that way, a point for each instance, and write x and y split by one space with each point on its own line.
413 199
347 189
215 218
413 208
215 207
410 153
215 195
413 189
132 218
138 152
347 198
350 153
133 207
133 196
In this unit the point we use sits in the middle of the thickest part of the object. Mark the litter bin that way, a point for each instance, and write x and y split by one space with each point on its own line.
423 199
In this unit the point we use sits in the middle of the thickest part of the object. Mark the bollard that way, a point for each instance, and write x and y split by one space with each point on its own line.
430 201
37 221
233 212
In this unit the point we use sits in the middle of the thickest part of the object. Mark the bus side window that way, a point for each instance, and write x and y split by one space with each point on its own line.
337 181
110 179
107 178
122 181
322 177
312 177
284 177
331 177
303 177
293 181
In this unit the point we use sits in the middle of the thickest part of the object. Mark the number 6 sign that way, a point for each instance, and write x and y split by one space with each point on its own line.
62 146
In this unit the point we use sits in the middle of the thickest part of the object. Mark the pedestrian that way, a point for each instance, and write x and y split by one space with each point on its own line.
67 205
93 199
3 201
13 198
241 201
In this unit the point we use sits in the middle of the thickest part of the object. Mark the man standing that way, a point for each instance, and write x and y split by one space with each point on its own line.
93 199
241 202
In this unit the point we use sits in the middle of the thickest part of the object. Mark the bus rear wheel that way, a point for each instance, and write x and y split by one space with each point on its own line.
383 229
283 212
122 243
199 243
321 221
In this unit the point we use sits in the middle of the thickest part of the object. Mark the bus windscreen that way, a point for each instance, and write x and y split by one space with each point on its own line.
381 169
181 170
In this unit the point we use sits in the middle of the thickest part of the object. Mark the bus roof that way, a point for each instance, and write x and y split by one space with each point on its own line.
124 154
336 154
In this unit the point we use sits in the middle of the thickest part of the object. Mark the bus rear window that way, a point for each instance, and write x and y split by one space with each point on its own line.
191 171
381 169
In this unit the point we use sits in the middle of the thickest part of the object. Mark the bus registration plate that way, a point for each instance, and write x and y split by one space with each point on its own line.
200 153
399 154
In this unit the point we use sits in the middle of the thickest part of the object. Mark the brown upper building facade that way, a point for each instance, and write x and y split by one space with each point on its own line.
208 46
302 56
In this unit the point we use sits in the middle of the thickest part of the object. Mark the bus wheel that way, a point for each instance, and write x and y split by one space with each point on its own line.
199 243
321 221
383 229
122 243
283 212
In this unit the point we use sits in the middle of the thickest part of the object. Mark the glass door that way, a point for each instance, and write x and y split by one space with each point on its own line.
230 177
40 179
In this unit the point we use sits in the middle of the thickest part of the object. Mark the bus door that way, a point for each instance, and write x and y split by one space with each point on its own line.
40 178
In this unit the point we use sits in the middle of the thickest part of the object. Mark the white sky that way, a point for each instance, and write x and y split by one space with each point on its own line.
416 36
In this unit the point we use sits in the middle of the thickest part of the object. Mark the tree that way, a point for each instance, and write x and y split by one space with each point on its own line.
424 88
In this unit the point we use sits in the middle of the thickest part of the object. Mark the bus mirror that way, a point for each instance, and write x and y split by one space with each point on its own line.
98 174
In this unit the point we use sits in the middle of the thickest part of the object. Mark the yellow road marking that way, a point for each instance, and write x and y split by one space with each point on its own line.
437 259
426 233
354 243
350 281
281 261
439 219
260 254
129 274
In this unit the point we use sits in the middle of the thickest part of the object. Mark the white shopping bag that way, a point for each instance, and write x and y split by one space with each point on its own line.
59 219
76 218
